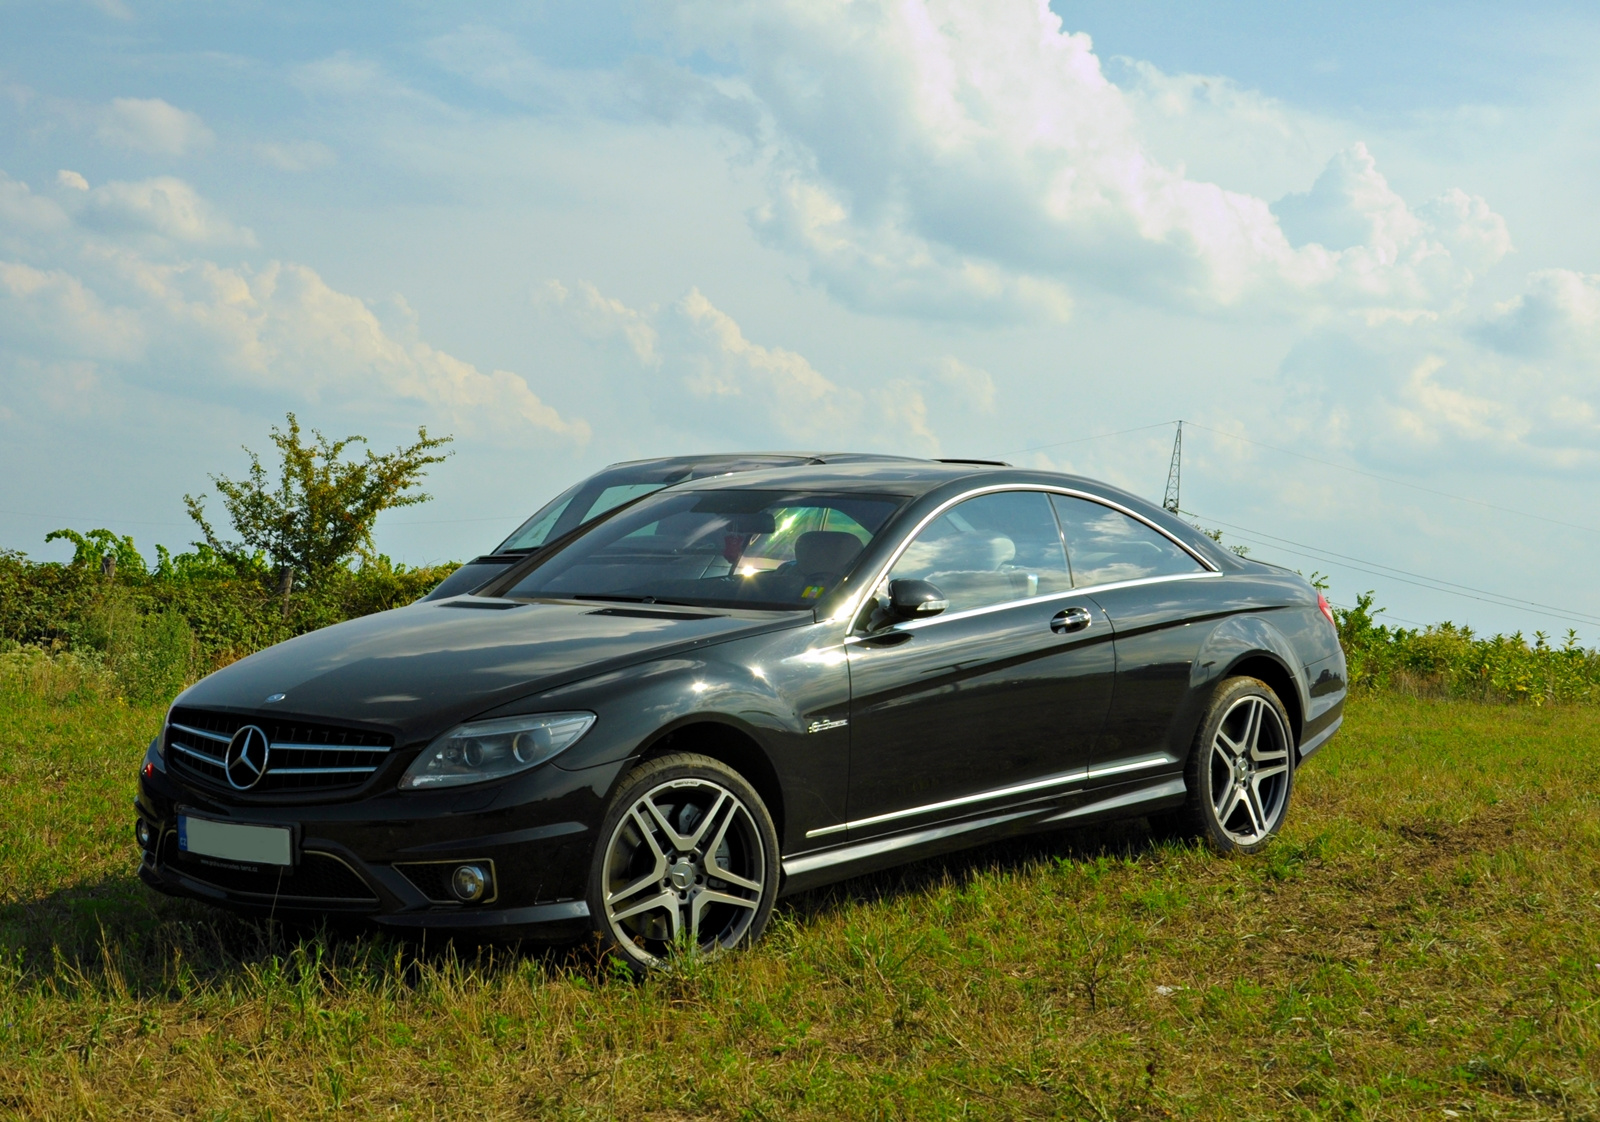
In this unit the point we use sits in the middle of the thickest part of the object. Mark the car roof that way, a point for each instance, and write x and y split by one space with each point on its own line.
668 466
904 477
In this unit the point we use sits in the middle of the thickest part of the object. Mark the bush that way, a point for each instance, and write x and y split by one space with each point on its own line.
1449 660
156 630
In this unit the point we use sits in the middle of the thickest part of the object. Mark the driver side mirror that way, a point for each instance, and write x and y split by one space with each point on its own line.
915 599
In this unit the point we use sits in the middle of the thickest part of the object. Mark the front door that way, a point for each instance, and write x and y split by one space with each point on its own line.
996 701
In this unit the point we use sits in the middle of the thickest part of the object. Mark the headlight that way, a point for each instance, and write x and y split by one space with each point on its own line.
485 750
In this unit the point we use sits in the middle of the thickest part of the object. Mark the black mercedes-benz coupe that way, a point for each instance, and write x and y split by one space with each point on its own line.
745 685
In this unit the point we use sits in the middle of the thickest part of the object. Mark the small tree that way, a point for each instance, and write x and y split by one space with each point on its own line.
323 509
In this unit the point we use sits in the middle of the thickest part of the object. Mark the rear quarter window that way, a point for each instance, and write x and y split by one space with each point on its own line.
1105 546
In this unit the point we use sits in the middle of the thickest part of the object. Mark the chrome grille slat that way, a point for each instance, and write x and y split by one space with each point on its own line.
318 770
188 751
290 746
199 732
303 755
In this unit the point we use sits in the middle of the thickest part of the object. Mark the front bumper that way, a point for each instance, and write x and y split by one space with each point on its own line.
387 858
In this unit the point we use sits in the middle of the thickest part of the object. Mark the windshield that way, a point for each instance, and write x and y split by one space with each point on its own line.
537 530
766 549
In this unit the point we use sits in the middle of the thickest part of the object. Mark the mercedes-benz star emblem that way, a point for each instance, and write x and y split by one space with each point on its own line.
246 761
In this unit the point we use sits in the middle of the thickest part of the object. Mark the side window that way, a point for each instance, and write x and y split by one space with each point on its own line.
615 496
989 550
1105 545
532 533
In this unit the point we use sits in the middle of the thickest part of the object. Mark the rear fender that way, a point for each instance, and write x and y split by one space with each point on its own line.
1251 645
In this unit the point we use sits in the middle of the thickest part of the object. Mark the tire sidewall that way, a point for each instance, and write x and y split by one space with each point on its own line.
653 773
1232 691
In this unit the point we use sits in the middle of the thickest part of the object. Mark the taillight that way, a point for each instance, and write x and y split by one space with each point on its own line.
1327 612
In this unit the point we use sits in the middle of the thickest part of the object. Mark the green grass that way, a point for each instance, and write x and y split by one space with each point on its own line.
1424 939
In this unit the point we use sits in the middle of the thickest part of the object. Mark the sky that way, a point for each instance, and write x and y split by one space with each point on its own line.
1353 247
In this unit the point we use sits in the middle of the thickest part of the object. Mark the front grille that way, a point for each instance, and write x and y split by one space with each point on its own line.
302 755
319 876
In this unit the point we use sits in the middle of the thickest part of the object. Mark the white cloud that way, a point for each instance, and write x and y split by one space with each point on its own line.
210 330
600 317
152 125
165 207
972 385
1519 387
946 157
53 313
694 368
71 180
22 213
1558 316
720 365
1209 127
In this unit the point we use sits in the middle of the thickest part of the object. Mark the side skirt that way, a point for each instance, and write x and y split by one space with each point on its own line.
827 866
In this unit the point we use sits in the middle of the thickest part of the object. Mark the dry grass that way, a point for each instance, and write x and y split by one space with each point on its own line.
1423 940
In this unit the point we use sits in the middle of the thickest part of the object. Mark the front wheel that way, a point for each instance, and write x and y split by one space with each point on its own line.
687 862
1241 769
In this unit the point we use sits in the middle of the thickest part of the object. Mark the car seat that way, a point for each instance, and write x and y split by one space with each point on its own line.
822 557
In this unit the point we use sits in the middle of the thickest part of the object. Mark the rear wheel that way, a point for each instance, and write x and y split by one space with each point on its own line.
687 862
1241 769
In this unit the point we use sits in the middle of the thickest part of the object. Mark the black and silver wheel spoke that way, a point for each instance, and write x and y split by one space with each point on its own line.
684 866
1249 770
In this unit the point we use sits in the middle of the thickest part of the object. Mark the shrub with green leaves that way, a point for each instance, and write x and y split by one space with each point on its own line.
1449 660
157 629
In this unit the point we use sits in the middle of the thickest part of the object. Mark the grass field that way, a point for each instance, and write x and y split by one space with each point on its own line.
1423 941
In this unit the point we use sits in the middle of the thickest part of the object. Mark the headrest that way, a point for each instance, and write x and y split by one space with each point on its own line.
825 551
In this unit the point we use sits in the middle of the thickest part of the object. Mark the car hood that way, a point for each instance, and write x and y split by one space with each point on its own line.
419 668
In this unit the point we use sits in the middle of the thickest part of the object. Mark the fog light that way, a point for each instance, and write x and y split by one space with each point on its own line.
141 833
468 882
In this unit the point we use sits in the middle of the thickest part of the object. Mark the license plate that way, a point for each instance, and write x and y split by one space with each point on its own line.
233 841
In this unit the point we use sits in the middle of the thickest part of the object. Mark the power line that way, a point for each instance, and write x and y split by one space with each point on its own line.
1396 482
1376 564
1389 572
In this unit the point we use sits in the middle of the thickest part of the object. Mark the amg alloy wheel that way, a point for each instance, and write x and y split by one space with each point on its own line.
687 862
1241 769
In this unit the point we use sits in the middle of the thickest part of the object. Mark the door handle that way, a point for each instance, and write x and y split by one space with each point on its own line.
1070 620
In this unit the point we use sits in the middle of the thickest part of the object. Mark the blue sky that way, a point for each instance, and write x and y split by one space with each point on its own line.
1336 239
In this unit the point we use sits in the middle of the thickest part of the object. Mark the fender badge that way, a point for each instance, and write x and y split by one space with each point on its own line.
824 726
274 697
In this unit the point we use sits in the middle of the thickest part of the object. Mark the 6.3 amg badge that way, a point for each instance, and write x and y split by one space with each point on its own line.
246 760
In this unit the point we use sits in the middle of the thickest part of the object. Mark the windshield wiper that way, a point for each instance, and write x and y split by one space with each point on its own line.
621 599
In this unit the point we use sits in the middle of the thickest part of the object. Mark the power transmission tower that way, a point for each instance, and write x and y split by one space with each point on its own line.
1171 501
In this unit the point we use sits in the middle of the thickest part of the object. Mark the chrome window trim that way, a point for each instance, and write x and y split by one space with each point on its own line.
918 624
1077 776
852 606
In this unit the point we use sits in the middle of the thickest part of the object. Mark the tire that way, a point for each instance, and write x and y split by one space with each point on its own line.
1240 772
687 861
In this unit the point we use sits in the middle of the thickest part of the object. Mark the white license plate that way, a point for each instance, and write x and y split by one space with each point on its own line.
233 841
